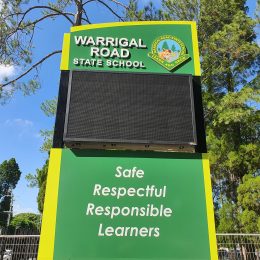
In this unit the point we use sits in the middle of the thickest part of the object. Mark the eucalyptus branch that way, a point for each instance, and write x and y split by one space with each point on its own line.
39 7
34 66
46 16
87 19
19 28
119 3
78 2
88 2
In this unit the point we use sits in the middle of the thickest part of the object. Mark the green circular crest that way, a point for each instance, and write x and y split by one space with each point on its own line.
169 51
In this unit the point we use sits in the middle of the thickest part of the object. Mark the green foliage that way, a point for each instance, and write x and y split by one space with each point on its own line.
249 221
132 13
149 13
41 196
229 58
25 222
152 13
181 10
245 215
16 51
20 21
47 140
230 77
39 180
230 81
40 177
249 193
49 109
249 201
9 174
228 222
9 177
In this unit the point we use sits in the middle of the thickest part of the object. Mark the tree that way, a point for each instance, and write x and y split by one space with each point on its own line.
19 23
9 177
165 46
228 219
148 13
39 180
249 201
230 81
18 27
25 223
49 109
229 57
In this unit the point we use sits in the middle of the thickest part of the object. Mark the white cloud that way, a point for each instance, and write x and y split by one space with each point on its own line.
6 71
21 127
24 123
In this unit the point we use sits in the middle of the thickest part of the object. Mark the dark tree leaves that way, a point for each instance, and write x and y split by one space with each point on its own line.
9 177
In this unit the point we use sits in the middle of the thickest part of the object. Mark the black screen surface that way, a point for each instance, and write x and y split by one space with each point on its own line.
130 108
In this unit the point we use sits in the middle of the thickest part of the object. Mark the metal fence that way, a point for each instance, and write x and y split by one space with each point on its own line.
19 247
238 246
230 247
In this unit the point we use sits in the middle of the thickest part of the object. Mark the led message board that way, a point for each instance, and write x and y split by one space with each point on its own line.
130 108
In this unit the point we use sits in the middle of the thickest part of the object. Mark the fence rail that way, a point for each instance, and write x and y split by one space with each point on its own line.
19 247
230 247
238 246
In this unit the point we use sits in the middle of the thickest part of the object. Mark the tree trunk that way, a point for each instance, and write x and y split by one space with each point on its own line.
78 15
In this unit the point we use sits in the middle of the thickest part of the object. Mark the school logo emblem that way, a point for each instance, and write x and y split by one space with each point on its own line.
169 52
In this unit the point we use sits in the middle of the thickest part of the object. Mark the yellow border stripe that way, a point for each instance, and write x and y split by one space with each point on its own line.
46 247
196 54
64 64
210 210
104 25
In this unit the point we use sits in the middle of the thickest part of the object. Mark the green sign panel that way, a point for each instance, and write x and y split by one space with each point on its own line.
154 47
127 205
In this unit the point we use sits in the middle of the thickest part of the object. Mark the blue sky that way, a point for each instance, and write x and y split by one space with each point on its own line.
21 119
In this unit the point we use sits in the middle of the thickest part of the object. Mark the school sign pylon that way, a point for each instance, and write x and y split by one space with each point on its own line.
112 204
